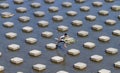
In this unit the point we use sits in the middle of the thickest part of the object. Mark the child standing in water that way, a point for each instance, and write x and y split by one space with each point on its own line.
62 39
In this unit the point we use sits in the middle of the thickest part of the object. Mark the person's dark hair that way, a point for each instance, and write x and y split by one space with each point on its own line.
65 34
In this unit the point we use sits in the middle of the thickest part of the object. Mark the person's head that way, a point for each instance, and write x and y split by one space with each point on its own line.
65 34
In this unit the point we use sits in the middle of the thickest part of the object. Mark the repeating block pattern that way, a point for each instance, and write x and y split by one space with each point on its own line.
29 29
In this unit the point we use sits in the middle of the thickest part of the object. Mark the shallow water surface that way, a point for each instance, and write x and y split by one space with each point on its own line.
67 65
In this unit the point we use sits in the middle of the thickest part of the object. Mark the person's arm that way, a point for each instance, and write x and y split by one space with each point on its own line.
61 37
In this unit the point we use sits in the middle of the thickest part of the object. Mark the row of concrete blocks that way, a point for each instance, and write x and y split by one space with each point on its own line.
63 28
58 59
55 18
64 4
89 45
55 9
73 52
100 71
48 34
44 23
52 46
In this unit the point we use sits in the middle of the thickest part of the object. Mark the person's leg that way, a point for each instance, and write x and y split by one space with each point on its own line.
65 45
57 43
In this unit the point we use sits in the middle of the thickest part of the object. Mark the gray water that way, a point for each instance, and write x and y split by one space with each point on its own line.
67 65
